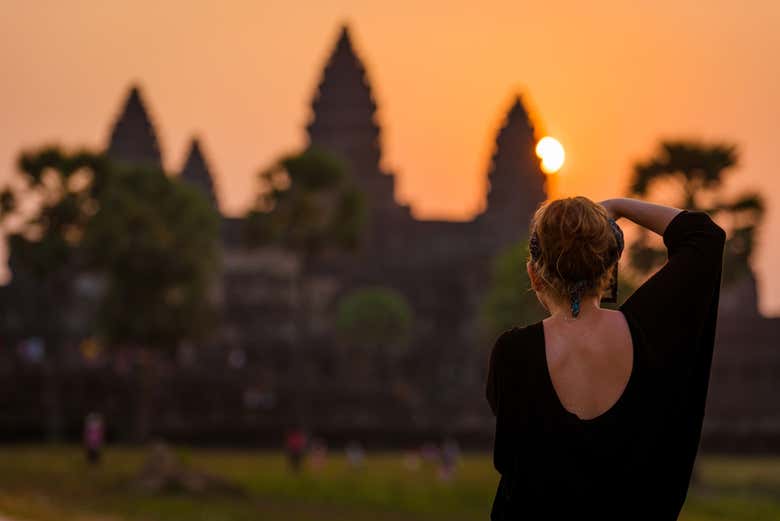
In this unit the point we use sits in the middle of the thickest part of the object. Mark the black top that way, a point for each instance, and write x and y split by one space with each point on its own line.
635 460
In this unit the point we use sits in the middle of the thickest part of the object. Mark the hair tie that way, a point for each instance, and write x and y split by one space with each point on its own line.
575 294
533 246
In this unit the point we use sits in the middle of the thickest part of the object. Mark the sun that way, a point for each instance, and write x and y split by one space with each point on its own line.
551 153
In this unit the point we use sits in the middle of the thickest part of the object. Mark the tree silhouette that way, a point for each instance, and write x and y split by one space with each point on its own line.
44 211
154 240
376 322
694 173
146 239
307 204
509 301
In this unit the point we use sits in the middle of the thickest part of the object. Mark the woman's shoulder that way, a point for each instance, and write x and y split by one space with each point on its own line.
517 332
516 341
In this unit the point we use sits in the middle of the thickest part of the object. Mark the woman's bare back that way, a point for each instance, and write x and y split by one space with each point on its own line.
589 361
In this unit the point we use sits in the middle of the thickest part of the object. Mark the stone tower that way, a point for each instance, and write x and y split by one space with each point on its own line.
344 123
196 172
516 183
133 137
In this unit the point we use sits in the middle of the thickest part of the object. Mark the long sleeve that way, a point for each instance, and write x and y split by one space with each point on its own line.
491 387
673 305
677 309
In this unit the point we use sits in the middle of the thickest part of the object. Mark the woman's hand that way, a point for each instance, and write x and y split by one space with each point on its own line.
611 205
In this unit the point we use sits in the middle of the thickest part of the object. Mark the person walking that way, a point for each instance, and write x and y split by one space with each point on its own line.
94 437
295 445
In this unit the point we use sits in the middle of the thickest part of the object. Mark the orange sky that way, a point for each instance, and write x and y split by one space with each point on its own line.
608 79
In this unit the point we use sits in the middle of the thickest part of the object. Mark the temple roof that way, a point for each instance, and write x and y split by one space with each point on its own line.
516 184
133 136
516 125
343 99
197 173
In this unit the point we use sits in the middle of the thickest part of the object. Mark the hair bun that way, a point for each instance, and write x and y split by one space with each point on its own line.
578 245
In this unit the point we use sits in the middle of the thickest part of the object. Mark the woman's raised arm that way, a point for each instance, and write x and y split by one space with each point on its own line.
672 305
654 217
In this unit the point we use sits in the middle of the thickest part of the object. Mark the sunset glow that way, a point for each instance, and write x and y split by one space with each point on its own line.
551 152
616 78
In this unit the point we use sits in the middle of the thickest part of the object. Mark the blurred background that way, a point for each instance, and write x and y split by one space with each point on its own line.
256 254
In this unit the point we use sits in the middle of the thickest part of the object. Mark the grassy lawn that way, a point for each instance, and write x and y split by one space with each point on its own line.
42 483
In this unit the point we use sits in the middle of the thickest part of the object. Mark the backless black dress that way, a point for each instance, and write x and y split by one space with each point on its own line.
635 460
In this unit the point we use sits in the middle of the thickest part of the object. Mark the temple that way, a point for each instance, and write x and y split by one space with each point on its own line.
196 172
515 181
344 122
133 136
443 269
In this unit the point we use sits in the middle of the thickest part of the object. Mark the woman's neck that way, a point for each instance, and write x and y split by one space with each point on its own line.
590 307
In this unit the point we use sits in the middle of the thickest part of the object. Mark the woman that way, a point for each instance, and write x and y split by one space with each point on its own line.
599 412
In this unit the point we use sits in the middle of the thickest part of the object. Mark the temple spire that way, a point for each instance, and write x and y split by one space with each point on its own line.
518 120
516 183
345 40
133 137
343 102
197 173
344 122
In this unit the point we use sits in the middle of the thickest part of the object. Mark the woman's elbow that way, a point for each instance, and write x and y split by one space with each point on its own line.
719 234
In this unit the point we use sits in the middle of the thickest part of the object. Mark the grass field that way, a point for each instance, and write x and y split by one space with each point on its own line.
41 483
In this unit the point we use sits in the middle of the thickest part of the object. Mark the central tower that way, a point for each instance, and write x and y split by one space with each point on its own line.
516 183
344 123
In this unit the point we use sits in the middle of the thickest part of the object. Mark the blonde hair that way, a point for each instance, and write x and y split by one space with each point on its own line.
577 247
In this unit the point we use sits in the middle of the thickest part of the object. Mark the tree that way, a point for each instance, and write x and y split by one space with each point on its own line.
308 204
44 211
509 300
695 172
155 241
377 322
149 239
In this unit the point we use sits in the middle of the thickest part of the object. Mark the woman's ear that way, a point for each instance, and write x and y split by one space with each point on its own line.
532 277
537 285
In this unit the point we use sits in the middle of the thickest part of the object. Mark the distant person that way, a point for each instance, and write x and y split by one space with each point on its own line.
599 412
94 435
449 455
295 447
412 460
318 450
356 455
429 452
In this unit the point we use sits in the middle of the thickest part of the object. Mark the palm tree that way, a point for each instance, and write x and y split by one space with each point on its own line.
695 172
